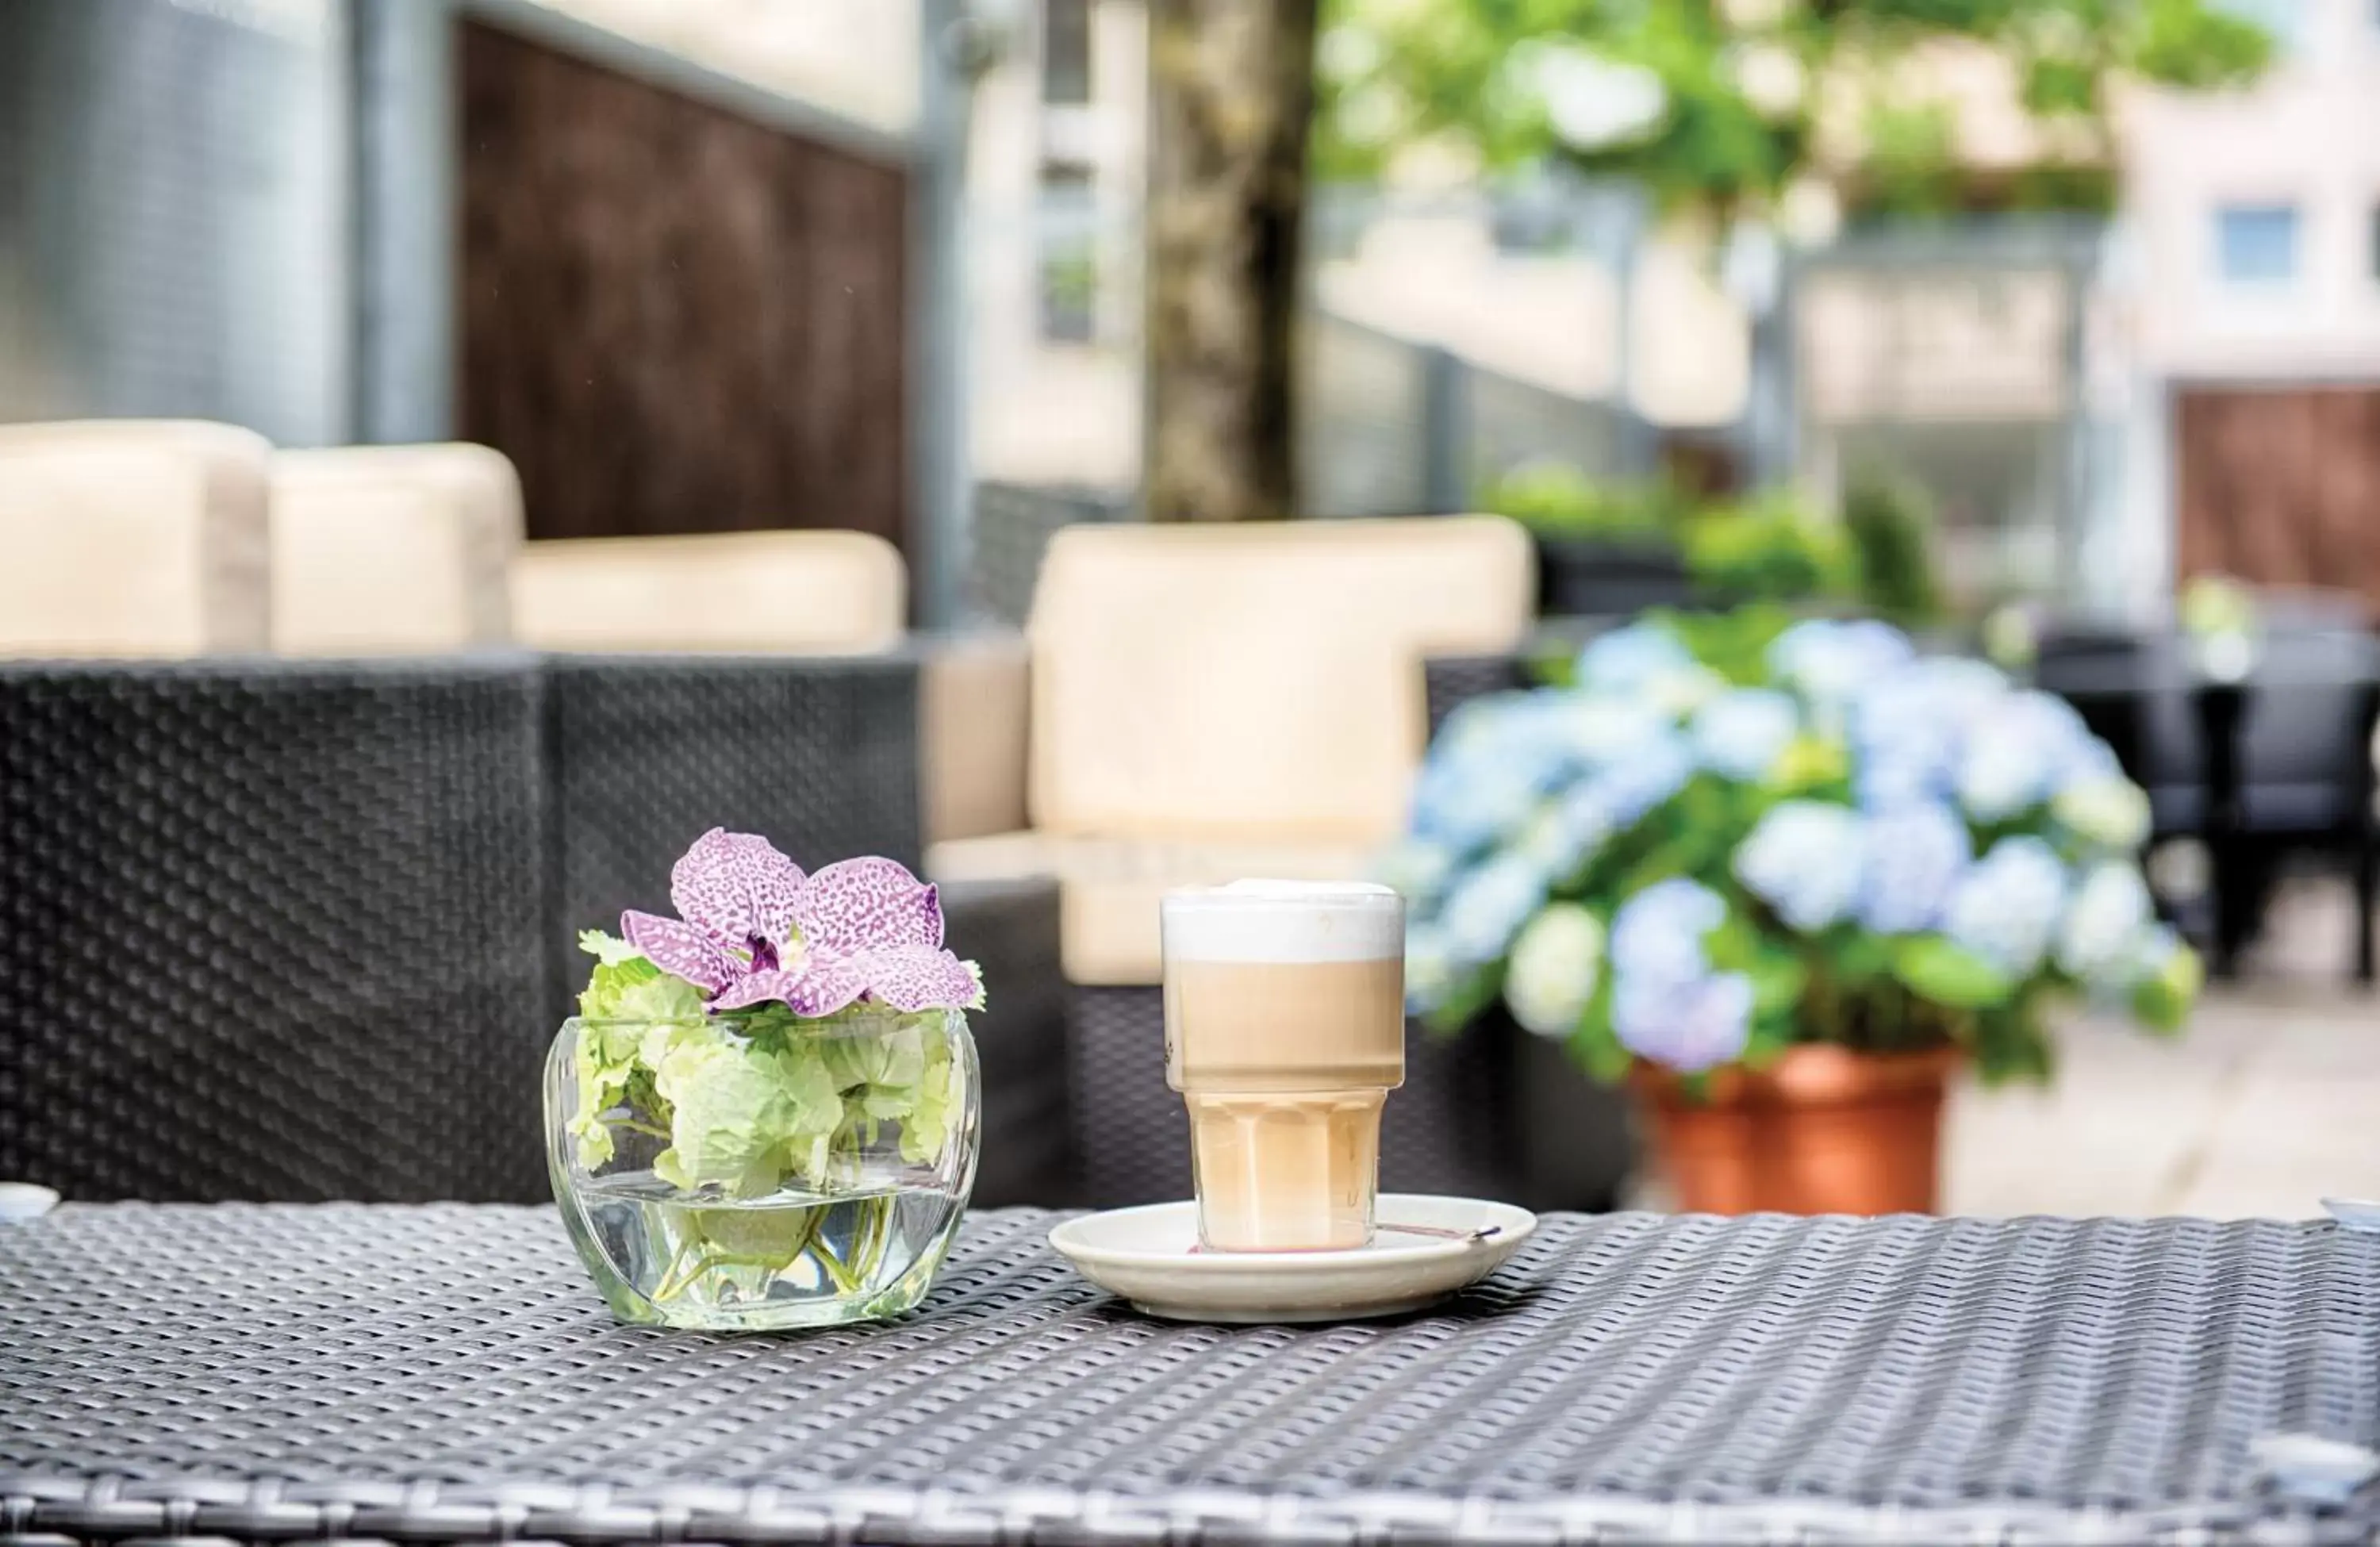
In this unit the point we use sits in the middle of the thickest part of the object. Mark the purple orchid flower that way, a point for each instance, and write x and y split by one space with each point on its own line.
873 930
734 897
752 929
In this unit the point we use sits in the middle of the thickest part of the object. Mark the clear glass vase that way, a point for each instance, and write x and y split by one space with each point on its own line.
763 1172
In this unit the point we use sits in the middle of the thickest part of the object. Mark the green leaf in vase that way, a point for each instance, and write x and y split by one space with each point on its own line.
933 1121
893 1060
599 1000
659 998
769 1238
608 950
605 1063
740 1116
600 1085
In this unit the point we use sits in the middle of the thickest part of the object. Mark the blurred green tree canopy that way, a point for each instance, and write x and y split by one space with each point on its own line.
1733 109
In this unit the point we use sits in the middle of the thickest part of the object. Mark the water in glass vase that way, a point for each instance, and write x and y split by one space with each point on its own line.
793 1259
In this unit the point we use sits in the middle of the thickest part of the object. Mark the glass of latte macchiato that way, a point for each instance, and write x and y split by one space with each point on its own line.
1284 1031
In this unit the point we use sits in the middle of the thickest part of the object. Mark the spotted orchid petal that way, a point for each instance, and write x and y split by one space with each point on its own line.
906 977
681 949
735 888
828 982
868 904
759 987
868 929
923 978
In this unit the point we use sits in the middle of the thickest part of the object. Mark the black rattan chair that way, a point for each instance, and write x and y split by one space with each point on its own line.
1451 1130
1010 929
271 929
2306 778
2265 770
279 930
647 753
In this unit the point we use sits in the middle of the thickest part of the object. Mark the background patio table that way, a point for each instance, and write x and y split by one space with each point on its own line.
445 1374
2280 759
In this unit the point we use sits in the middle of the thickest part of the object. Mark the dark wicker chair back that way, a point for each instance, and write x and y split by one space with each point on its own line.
271 929
282 932
2306 748
645 753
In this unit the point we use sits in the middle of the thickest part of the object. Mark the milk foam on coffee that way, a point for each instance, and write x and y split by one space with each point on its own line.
1285 921
1284 1031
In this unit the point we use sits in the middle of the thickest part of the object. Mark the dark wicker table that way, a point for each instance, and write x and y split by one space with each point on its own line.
444 1373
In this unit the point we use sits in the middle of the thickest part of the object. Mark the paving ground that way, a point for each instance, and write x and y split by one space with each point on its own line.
2270 1102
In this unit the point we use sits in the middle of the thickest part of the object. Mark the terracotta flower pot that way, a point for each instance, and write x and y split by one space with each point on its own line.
1823 1130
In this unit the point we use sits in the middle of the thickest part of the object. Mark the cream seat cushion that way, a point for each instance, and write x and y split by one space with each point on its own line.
1109 887
133 537
972 692
1258 682
768 592
400 548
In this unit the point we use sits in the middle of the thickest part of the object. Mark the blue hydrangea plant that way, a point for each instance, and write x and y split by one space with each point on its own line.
1706 840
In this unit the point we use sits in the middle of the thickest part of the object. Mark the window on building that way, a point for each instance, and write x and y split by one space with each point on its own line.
1066 51
2257 244
1069 255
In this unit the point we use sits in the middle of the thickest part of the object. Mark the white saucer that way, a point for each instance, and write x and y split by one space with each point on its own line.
2355 1214
22 1202
1145 1256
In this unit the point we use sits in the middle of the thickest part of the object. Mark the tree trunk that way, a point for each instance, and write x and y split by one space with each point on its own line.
1231 100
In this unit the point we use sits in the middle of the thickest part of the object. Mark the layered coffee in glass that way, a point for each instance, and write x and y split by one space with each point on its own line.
1284 1031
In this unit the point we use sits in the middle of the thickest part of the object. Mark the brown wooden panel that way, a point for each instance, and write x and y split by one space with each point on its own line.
2348 545
674 318
2280 485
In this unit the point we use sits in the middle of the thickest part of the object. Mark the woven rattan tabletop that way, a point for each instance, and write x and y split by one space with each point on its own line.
447 1374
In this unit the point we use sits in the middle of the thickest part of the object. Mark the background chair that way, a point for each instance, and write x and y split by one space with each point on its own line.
772 595
974 698
385 550
280 931
133 538
286 931
645 753
775 691
782 592
2275 767
1210 703
2304 760
273 930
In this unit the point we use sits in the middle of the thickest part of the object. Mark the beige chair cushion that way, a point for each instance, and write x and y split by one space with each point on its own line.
133 537
1255 682
766 592
397 548
1109 888
972 693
